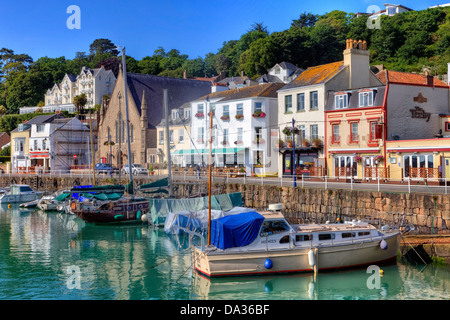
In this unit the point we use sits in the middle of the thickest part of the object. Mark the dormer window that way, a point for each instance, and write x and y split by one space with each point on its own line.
341 101
366 98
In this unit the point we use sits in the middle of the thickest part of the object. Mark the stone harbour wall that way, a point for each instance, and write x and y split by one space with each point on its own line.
426 212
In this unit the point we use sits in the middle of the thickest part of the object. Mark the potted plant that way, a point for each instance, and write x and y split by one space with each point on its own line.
290 143
305 143
358 158
238 142
224 142
199 115
317 142
150 170
239 116
379 158
225 118
280 143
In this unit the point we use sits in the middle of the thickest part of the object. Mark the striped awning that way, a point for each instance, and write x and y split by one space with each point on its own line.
186 152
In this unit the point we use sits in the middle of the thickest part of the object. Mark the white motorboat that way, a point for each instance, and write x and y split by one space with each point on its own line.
20 193
261 244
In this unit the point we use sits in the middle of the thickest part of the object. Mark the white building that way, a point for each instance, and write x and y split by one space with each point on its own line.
283 72
304 100
245 130
54 143
95 83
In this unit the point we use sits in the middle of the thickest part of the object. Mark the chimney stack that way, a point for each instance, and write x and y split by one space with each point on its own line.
357 58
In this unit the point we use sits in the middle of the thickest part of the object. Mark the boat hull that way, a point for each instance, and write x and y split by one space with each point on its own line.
218 263
117 212
20 198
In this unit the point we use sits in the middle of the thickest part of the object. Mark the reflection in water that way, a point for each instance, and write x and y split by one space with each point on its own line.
37 250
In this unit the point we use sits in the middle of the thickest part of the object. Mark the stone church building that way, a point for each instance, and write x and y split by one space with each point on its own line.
145 110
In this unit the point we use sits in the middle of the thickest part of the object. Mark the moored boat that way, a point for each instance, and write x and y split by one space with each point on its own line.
20 193
261 244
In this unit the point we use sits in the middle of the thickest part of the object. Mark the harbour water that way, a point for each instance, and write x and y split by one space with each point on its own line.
51 256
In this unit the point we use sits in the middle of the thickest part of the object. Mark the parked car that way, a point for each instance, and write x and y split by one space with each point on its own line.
103 168
137 169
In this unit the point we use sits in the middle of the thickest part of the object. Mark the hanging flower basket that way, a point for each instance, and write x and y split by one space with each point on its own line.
379 158
258 114
239 116
291 130
358 159
225 118
199 115
259 141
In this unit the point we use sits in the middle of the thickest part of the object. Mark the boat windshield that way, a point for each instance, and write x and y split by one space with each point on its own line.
274 226
25 189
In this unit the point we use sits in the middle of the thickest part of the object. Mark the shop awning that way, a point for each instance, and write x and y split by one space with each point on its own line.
187 152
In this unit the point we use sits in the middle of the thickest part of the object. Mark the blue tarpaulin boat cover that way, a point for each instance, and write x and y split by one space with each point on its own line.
236 230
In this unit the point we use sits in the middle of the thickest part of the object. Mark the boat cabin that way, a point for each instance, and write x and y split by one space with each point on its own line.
20 189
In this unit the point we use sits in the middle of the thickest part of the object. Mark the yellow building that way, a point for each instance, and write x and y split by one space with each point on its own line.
419 159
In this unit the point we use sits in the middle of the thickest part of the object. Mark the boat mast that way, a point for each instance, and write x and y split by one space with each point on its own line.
92 146
169 160
210 169
125 96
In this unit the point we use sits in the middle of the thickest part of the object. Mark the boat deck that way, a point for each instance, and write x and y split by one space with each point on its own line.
332 227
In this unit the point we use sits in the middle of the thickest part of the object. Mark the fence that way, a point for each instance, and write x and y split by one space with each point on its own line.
407 185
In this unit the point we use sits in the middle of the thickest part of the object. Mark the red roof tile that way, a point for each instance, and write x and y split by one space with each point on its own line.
410 79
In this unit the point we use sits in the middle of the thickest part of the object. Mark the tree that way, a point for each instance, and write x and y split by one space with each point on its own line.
102 46
80 101
305 20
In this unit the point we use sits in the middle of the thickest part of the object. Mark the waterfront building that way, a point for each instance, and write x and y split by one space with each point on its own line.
95 83
304 99
145 103
49 142
407 114
179 136
245 129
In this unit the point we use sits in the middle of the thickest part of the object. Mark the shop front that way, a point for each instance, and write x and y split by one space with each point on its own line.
306 162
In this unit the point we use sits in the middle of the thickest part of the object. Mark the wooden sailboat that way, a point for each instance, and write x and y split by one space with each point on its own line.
110 205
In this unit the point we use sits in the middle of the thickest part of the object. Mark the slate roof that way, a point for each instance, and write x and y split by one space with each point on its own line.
316 75
353 101
180 91
398 77
268 90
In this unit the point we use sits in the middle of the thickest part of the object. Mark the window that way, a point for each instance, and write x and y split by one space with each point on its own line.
335 138
225 136
174 114
447 126
44 144
373 127
240 135
200 108
348 234
304 237
171 137
161 137
363 233
302 132
341 101
354 137
35 145
366 99
180 135
240 108
226 110
131 133
301 102
274 226
288 103
187 113
258 106
200 137
313 100
314 131
40 127
326 236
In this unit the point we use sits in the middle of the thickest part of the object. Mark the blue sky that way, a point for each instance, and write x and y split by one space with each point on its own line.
194 27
